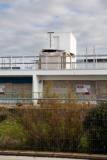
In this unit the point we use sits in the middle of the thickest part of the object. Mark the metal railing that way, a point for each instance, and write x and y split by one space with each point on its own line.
18 63
29 97
72 62
53 62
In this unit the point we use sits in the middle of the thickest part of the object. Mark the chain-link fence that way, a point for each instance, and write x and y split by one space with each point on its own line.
60 127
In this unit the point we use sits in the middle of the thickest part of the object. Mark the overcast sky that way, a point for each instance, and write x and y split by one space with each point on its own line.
24 22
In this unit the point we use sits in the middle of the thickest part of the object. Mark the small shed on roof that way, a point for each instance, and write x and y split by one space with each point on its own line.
56 52
54 59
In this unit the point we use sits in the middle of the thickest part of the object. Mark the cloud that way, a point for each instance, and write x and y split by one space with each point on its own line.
23 26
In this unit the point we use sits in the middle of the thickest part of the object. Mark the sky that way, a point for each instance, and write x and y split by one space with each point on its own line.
24 24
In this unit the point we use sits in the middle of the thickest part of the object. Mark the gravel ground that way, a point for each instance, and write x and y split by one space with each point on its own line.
31 158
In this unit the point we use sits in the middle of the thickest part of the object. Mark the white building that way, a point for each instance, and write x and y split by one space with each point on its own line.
26 77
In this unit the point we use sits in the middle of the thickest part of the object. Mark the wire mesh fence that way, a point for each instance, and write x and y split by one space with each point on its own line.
60 127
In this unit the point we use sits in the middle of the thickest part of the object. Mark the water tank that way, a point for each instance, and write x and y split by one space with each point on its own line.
63 41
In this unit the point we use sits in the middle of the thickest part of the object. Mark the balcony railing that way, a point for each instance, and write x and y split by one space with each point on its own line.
82 62
18 63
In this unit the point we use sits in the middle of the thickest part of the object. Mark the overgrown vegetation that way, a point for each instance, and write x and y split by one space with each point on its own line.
95 125
54 129
12 134
55 126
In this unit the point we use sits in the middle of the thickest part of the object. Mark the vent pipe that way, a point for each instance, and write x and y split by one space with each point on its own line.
50 38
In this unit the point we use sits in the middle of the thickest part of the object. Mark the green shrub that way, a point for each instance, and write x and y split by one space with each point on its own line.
4 114
96 128
53 129
12 134
83 144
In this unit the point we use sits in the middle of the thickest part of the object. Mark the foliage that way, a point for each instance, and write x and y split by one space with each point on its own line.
96 128
51 127
12 134
50 96
54 129
4 114
83 145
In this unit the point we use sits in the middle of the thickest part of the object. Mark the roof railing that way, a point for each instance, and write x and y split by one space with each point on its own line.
53 62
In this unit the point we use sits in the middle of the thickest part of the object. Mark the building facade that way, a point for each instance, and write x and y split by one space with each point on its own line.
25 78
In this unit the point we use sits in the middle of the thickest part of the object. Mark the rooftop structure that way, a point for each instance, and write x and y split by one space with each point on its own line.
63 41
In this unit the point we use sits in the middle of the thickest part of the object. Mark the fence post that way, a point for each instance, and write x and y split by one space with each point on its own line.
35 89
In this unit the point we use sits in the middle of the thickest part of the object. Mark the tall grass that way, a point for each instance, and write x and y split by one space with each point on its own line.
56 127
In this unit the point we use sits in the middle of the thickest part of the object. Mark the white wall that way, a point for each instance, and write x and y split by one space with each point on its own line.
66 41
73 44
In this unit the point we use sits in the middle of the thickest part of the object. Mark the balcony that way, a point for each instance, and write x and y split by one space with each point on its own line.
80 62
18 63
30 63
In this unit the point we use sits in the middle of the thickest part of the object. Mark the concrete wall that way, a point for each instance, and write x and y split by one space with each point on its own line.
15 88
96 89
51 62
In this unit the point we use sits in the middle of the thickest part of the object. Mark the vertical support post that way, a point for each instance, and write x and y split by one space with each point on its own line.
61 62
46 61
23 65
70 61
96 89
86 58
11 62
35 89
50 38
40 89
94 53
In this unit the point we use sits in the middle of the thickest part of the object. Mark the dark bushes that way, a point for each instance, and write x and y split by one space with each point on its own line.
95 125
